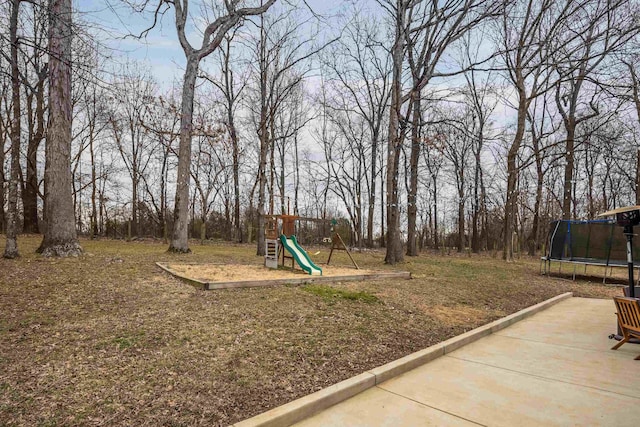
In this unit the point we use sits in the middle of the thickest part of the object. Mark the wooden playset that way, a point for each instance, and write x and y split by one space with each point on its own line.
282 245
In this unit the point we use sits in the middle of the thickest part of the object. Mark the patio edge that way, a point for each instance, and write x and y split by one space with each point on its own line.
311 404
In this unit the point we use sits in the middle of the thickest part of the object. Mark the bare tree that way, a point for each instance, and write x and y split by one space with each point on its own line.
360 83
214 32
134 91
93 110
429 29
11 247
209 164
281 54
481 96
346 147
595 32
393 241
457 137
231 88
289 121
5 129
35 86
526 30
162 120
433 159
94 105
541 131
60 238
632 68
5 111
322 134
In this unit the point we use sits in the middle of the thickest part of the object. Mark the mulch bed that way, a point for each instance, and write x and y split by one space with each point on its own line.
223 276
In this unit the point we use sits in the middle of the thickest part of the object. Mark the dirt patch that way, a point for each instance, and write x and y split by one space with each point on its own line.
241 272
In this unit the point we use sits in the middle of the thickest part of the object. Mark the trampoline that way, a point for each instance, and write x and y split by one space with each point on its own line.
594 242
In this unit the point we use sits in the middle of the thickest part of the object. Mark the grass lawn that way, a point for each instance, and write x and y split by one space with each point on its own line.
109 339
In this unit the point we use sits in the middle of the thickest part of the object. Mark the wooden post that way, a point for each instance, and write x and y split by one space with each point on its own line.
338 245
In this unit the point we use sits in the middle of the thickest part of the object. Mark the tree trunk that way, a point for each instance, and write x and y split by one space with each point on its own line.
296 187
180 237
11 246
101 210
30 196
3 135
264 143
395 253
412 206
535 226
236 177
568 169
475 235
163 194
135 183
272 166
436 238
636 101
60 238
94 186
281 180
512 178
372 187
484 235
461 239
261 250
383 232
638 177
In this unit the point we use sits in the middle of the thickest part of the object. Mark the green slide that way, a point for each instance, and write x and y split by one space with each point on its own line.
299 254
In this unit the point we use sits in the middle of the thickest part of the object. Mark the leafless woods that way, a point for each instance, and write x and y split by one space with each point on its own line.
415 124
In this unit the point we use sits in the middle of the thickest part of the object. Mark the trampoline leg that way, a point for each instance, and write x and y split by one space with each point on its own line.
574 271
543 267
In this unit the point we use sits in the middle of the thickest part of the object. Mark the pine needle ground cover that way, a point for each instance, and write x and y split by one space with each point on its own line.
109 339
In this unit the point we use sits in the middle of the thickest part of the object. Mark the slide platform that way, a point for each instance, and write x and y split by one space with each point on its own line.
300 255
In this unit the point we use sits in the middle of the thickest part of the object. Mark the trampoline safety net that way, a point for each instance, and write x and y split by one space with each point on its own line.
597 241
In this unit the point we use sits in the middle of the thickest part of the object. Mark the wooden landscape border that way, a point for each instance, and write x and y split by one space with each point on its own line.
208 286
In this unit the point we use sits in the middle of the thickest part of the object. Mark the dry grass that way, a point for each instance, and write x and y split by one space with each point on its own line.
108 339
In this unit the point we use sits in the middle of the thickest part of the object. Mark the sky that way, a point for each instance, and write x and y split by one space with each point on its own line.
115 22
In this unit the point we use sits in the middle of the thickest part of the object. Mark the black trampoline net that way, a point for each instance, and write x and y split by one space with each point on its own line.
557 236
589 241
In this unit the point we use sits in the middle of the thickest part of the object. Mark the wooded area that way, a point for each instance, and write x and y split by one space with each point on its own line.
463 123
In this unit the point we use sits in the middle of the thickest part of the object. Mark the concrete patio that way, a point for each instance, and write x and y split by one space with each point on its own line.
554 368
